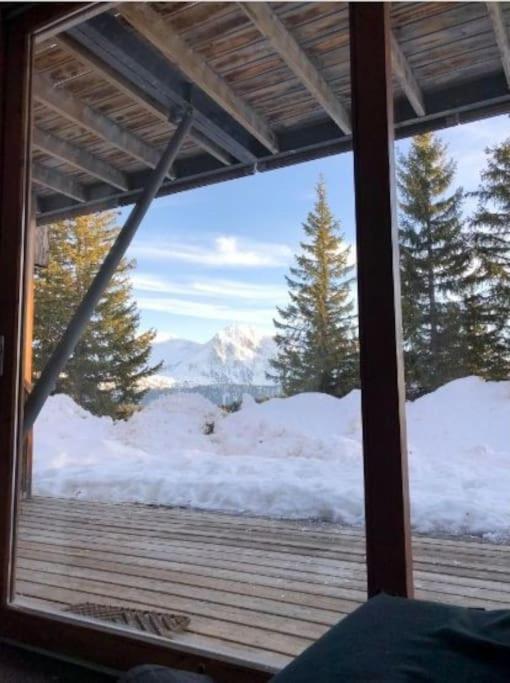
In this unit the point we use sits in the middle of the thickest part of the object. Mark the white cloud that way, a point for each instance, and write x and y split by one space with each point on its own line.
145 282
241 290
210 311
223 251
221 289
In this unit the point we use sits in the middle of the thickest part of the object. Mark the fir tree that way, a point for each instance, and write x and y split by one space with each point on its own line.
315 336
103 375
487 303
434 260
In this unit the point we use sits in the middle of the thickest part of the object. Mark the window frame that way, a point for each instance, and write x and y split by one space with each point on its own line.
69 636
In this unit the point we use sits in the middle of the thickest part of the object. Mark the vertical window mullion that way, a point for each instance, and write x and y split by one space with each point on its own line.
388 542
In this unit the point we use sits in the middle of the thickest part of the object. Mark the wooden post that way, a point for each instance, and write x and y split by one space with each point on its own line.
389 558
28 337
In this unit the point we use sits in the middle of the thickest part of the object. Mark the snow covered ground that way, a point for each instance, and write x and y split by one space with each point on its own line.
298 457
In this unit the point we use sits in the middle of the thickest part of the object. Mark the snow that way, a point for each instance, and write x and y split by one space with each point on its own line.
297 457
238 354
173 351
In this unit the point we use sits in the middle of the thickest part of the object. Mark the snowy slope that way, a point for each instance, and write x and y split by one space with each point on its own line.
236 355
298 457
171 353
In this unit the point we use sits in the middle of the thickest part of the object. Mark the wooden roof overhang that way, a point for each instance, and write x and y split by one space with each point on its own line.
269 84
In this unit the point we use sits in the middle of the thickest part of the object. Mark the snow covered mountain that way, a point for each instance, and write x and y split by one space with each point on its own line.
236 355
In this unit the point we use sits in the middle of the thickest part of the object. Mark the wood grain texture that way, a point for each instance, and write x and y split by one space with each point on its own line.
446 60
389 558
78 157
58 182
96 122
406 78
297 60
150 25
502 36
86 57
31 259
255 588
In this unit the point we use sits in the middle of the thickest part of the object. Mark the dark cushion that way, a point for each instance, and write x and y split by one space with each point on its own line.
395 639
152 673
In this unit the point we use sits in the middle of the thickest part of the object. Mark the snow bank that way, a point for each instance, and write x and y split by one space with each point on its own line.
459 442
298 457
170 425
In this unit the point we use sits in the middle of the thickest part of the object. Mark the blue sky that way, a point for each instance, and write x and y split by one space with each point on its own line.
217 255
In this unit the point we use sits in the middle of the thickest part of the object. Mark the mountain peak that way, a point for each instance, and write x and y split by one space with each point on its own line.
237 333
237 354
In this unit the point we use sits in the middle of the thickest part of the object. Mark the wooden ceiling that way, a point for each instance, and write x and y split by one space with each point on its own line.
269 84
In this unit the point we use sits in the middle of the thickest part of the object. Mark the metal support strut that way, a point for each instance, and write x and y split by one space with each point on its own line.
83 314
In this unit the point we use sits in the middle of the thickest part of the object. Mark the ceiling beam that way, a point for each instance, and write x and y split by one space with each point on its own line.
153 28
299 63
59 182
89 59
405 76
502 39
149 74
126 53
77 111
447 106
80 14
79 158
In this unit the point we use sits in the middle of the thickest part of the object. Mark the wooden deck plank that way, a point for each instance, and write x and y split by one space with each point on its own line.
240 558
436 555
309 581
186 574
334 543
235 557
221 597
255 588
282 589
187 570
200 518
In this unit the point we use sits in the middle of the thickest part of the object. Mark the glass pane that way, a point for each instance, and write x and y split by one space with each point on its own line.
455 256
196 459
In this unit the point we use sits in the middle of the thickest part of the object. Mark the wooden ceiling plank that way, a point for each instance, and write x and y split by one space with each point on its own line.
502 38
139 62
84 13
77 111
59 182
131 90
164 38
296 59
405 76
79 158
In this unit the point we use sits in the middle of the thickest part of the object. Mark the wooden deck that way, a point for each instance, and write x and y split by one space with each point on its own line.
258 590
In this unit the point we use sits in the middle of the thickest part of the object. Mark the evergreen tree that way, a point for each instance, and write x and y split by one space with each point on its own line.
103 375
487 303
434 261
315 335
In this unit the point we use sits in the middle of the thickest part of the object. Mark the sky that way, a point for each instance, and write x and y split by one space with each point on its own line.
218 255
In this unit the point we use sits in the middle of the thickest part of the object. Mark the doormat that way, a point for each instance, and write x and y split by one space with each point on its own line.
158 623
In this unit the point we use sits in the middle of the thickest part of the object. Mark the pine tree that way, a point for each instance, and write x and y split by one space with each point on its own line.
315 336
434 262
487 303
103 375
